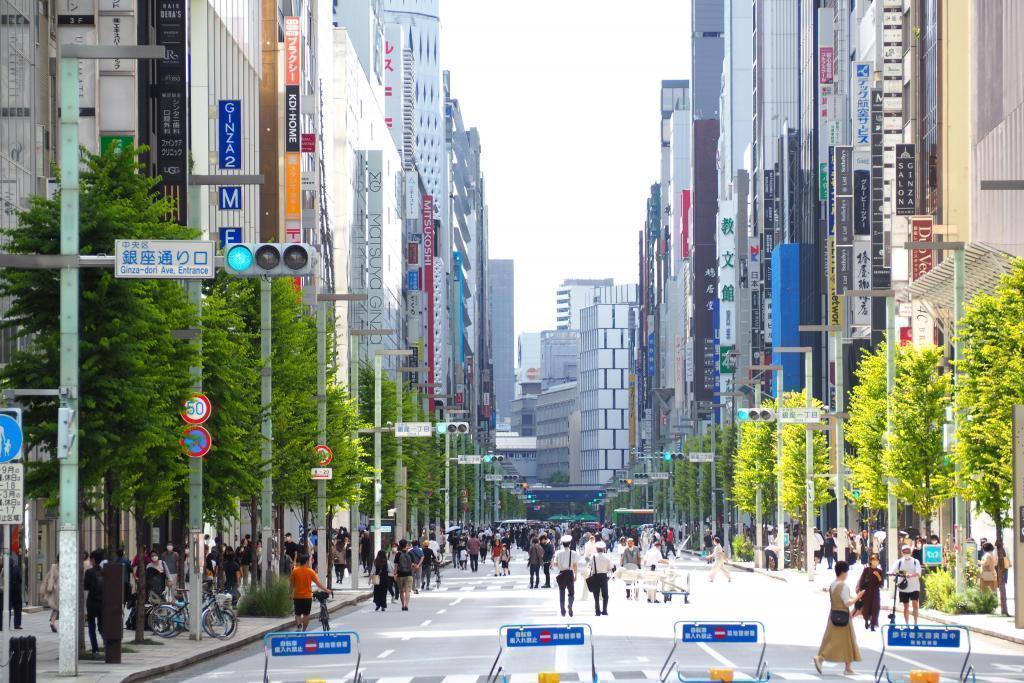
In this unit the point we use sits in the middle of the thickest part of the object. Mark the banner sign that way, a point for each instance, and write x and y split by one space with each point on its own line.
544 636
719 633
906 180
229 134
918 636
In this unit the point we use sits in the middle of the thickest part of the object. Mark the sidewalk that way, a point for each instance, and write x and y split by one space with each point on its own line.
157 655
991 625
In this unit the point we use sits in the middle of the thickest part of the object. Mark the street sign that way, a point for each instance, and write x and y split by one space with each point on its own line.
310 644
544 636
164 259
702 457
196 441
470 459
413 429
197 410
11 436
800 415
923 636
12 493
229 236
931 555
699 632
661 476
325 454
508 486
324 473
492 477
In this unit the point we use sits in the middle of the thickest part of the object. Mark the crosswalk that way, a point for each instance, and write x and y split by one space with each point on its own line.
624 675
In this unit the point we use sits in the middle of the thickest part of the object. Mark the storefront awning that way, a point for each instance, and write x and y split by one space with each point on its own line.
983 265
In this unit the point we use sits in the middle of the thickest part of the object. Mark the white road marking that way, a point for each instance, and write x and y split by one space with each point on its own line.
395 679
384 654
718 658
426 623
441 611
796 676
460 678
450 604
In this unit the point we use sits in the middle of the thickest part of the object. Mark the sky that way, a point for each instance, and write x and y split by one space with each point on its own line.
565 94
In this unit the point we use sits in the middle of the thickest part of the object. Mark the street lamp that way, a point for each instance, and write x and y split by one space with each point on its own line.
401 492
378 366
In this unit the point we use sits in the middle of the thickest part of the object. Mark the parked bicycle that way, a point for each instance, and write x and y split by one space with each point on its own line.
216 615
325 619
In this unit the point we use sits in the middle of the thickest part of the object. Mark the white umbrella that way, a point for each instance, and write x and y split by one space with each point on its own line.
880 535
453 528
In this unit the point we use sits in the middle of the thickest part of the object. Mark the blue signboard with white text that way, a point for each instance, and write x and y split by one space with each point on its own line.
414 280
544 636
229 134
293 645
229 198
228 236
719 633
918 636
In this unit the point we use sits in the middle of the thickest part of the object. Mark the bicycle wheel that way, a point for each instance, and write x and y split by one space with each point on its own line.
325 619
219 623
162 619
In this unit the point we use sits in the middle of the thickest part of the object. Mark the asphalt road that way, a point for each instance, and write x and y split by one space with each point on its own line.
451 636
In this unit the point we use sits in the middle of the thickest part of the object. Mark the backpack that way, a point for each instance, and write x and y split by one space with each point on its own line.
404 564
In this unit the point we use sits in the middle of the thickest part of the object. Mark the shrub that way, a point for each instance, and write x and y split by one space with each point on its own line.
742 549
981 600
263 601
940 589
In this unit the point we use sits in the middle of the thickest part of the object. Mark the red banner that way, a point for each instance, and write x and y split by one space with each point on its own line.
292 50
921 260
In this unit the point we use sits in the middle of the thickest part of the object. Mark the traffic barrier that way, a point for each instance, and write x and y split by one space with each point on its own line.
745 636
956 638
281 644
518 636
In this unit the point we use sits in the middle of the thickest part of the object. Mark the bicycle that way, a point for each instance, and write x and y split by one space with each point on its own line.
325 620
218 618
171 618
437 573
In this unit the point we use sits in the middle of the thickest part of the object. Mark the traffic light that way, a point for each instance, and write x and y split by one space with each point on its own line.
270 260
755 415
667 455
493 457
452 427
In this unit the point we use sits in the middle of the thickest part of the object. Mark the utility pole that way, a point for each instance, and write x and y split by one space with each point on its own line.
321 425
267 429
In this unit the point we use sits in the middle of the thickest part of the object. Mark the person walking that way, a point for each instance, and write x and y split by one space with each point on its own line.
630 556
301 581
506 557
473 545
416 552
535 560
93 585
987 575
50 593
600 566
549 556
908 584
429 558
652 558
404 569
379 581
496 554
15 586
172 563
828 548
566 560
870 588
839 643
718 561
231 569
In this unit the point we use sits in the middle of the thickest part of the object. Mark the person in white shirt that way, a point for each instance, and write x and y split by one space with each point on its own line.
590 547
910 594
652 558
600 566
566 560
718 557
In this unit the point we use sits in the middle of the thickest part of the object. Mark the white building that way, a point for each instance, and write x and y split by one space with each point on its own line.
572 297
606 352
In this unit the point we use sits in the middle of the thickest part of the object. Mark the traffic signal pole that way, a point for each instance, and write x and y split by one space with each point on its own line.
266 429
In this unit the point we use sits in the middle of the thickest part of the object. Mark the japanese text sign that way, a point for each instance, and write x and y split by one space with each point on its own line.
719 633
164 259
544 636
923 637
12 493
310 644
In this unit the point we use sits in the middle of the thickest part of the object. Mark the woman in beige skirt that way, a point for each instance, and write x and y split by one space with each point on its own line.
839 644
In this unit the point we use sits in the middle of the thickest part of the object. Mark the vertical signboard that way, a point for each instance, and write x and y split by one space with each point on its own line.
860 109
921 261
394 100
116 26
229 134
17 83
76 25
906 180
293 127
172 107
427 218
844 219
374 308
684 223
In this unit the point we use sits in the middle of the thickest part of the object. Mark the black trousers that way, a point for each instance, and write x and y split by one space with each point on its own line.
534 575
601 593
95 620
547 575
566 584
474 561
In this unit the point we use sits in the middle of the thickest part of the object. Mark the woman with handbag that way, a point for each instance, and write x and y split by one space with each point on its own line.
379 581
839 644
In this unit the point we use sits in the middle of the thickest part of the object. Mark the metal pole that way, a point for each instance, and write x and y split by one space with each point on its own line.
195 465
377 368
5 642
353 514
266 428
69 195
959 503
809 469
780 514
892 535
497 497
758 501
447 483
840 354
321 418
714 475
400 490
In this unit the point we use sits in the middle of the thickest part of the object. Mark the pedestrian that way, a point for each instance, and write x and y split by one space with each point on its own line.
870 588
496 554
231 568
817 542
839 644
429 558
828 548
506 557
404 567
172 563
392 583
416 552
718 559
301 581
473 545
652 558
366 552
908 583
156 578
14 566
863 546
566 560
245 558
93 585
549 556
987 575
600 566
379 581
630 559
535 559
50 593
338 553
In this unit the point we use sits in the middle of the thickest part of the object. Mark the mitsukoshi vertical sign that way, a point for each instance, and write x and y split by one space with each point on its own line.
293 128
428 284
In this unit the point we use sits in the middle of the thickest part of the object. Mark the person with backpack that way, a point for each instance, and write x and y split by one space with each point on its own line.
404 567
417 565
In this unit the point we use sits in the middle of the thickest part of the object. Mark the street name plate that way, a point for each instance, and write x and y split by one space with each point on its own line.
702 457
413 429
12 493
492 477
470 459
800 415
165 259
659 475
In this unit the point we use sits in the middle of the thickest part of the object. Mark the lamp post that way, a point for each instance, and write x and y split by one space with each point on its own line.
780 514
892 533
378 366
959 277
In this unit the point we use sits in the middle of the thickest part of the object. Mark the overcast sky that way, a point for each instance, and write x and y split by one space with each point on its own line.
565 94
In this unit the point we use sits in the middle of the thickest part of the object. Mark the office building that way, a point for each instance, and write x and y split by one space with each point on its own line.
524 415
556 408
572 297
559 357
501 294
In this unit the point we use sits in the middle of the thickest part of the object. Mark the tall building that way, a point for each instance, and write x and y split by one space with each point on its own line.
501 294
524 415
559 357
555 410
572 297
606 353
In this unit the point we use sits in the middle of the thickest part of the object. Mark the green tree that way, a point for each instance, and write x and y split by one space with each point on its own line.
754 467
865 431
991 382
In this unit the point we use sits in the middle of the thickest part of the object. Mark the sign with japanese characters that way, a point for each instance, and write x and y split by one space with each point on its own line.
470 459
544 636
298 644
229 134
923 636
800 415
699 632
164 259
413 429
12 493
701 457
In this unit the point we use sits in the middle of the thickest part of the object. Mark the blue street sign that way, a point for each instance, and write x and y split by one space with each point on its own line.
229 134
414 280
10 438
719 633
229 198
544 636
310 644
931 555
229 236
918 636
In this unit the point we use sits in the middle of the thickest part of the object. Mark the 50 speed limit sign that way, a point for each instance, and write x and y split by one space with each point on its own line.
197 410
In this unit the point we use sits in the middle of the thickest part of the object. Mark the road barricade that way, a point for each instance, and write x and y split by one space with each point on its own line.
745 641
949 639
520 638
280 646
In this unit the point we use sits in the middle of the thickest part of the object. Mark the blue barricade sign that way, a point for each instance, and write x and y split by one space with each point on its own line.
922 637
310 644
719 633
544 636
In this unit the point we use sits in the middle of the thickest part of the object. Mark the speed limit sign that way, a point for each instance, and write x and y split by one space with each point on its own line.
197 410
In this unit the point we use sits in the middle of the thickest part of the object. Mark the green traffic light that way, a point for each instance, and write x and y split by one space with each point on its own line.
239 258
488 458
667 456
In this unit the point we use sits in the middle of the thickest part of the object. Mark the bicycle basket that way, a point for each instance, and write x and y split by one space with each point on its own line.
224 600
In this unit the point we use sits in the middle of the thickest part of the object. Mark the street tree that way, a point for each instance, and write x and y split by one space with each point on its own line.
865 431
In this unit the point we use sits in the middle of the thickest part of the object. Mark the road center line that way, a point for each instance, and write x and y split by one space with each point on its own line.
384 654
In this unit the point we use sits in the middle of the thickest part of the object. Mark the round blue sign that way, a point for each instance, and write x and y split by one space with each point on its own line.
10 439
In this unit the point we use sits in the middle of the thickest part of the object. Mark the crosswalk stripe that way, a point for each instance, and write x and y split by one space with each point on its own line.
796 676
461 678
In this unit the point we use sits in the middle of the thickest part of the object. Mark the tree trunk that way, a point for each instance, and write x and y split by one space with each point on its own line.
1000 568
140 583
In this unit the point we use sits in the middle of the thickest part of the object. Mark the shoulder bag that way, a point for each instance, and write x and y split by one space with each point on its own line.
592 583
839 617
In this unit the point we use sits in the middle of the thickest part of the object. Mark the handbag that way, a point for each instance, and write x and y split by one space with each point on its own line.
839 617
375 580
593 585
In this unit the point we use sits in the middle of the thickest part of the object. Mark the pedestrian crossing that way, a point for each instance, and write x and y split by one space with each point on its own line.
623 675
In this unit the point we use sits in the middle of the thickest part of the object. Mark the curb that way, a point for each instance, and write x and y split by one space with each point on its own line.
938 617
744 568
230 645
